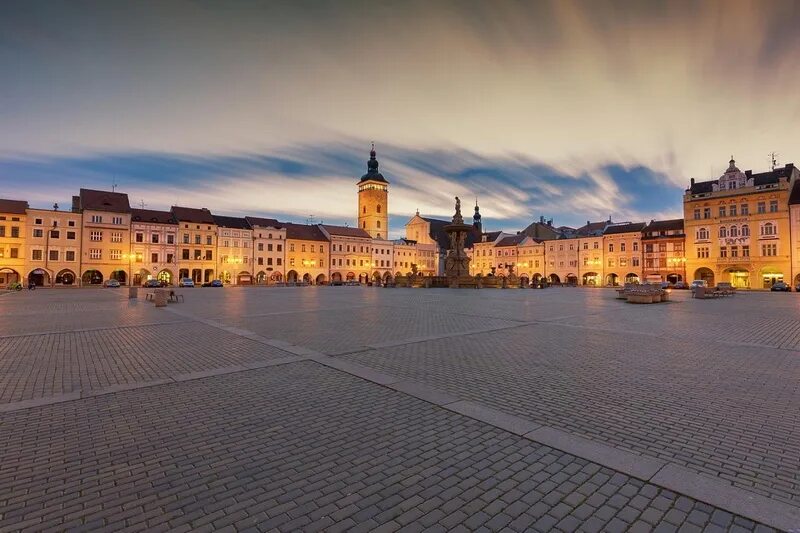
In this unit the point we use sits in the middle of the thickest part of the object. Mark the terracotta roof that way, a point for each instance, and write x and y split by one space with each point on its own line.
16 207
345 231
513 240
592 228
665 225
304 232
115 202
264 222
150 215
624 228
231 222
192 214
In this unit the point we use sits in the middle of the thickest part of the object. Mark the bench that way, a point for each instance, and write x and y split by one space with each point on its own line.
175 297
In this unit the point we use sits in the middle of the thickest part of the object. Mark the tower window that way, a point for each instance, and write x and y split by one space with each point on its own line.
379 208
364 209
379 223
364 225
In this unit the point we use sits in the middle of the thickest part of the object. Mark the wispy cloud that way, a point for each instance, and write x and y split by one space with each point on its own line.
299 181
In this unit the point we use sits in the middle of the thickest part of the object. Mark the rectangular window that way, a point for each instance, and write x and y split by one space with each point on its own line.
198 239
706 212
95 253
116 220
622 247
269 261
55 234
746 251
185 254
71 223
762 207
303 248
14 253
723 251
209 240
734 251
662 247
2 231
185 238
170 258
70 255
115 254
198 254
154 238
648 248
769 249
209 255
697 214
116 236
260 261
226 244
610 248
291 261
53 255
97 219
38 233
15 232
139 237
733 210
279 261
260 247
596 245
154 258
773 206
722 211
170 239
36 255
745 210
96 236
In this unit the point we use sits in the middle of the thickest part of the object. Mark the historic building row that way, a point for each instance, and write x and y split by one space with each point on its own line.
743 228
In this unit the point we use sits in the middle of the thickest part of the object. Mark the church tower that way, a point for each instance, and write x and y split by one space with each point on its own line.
373 200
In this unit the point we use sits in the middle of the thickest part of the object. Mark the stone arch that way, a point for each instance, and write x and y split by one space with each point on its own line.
66 277
320 279
705 274
631 277
92 277
554 279
291 276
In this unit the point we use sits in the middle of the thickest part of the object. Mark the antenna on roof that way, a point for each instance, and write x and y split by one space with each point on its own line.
113 185
141 203
310 220
773 156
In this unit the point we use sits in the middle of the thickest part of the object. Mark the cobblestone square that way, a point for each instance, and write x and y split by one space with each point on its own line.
350 408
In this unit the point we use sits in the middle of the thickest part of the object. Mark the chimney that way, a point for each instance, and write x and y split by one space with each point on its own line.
691 181
76 204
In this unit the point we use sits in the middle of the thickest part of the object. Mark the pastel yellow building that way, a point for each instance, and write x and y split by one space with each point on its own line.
738 227
105 236
307 254
350 253
54 247
269 239
12 241
562 260
197 244
154 246
234 250
382 259
622 253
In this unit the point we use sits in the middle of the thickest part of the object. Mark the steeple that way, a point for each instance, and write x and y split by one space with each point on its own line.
476 218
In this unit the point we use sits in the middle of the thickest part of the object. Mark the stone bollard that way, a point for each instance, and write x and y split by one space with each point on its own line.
133 292
160 298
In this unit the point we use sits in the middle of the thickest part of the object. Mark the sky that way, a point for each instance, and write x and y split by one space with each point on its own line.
570 110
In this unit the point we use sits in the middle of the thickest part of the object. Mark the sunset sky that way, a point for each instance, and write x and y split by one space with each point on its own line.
571 110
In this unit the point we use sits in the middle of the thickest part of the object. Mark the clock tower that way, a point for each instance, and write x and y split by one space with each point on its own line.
373 200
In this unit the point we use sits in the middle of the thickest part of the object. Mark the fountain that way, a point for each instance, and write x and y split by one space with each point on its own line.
456 263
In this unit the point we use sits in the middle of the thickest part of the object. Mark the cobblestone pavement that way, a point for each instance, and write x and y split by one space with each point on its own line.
235 420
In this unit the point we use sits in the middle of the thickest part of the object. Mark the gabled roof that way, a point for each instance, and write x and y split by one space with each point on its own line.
115 202
264 222
674 224
192 214
231 222
150 215
16 207
304 232
624 228
437 232
759 179
513 240
345 231
592 228
542 231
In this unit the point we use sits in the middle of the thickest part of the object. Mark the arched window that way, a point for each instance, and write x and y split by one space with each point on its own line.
745 230
768 229
379 223
702 234
723 231
379 208
734 231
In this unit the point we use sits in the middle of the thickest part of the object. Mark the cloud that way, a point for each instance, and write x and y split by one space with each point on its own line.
297 182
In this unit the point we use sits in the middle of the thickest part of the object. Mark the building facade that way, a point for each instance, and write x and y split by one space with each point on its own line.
738 227
234 250
54 247
350 253
622 245
197 244
105 236
13 232
269 239
154 246
664 257
307 254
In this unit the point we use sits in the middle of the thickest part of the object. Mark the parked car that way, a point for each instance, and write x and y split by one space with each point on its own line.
112 284
212 283
152 284
680 285
780 287
186 282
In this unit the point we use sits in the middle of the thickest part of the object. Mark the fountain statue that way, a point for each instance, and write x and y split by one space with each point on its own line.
456 263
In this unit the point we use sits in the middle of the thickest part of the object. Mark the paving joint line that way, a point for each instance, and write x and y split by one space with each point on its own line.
659 472
124 387
83 330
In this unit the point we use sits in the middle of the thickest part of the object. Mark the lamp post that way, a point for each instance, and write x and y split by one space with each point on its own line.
47 252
